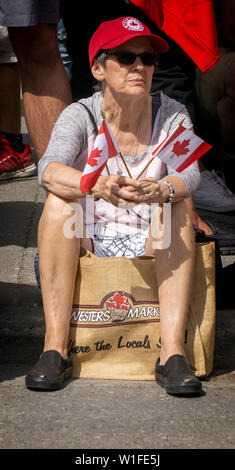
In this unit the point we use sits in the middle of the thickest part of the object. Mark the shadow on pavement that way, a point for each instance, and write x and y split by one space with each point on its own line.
224 354
21 329
16 217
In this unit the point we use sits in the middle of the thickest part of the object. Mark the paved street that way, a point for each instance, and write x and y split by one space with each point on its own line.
92 414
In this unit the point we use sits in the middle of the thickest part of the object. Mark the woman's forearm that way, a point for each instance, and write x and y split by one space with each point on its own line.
178 185
62 180
190 179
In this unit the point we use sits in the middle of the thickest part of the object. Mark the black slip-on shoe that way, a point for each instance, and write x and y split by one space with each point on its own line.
50 372
176 376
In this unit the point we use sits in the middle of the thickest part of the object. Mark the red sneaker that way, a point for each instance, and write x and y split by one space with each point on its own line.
14 164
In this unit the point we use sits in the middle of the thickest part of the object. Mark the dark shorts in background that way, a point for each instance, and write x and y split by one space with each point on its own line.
7 55
29 12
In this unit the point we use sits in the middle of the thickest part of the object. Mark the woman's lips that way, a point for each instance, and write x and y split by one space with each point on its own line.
136 79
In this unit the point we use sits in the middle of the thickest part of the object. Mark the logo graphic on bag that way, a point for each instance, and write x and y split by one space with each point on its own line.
115 307
118 307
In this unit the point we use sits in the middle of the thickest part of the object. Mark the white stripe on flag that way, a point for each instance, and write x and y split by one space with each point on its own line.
187 140
102 145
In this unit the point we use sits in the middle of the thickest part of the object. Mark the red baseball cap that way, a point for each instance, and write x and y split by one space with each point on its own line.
113 33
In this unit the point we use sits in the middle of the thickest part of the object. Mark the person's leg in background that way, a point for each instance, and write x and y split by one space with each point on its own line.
216 99
15 156
45 86
32 28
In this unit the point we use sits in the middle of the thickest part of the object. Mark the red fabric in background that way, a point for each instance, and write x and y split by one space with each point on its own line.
190 23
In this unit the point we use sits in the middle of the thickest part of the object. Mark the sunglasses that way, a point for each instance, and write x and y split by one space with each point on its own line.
128 58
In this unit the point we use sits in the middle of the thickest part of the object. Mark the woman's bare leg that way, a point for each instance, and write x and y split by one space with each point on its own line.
174 272
58 262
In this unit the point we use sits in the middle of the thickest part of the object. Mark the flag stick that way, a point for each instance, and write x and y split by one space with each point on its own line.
145 168
127 169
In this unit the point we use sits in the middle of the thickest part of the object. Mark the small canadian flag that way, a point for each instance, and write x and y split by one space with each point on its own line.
178 151
181 149
104 148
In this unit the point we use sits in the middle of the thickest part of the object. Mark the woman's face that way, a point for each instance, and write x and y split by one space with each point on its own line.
134 79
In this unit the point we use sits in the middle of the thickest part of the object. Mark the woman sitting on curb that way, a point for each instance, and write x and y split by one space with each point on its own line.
122 55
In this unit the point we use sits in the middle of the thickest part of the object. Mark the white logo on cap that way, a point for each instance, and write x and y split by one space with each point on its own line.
132 24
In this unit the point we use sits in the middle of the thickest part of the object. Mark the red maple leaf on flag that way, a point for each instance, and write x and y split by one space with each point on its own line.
94 155
180 148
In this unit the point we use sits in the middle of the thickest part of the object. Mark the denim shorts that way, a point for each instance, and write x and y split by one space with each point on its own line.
29 12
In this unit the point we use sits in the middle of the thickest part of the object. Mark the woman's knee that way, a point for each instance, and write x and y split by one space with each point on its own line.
59 215
167 226
181 224
57 209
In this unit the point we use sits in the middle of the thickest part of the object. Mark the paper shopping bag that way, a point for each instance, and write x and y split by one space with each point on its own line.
115 320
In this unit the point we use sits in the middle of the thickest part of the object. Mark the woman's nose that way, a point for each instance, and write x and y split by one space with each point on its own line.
138 62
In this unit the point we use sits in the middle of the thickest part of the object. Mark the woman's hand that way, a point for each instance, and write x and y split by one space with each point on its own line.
117 189
151 191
